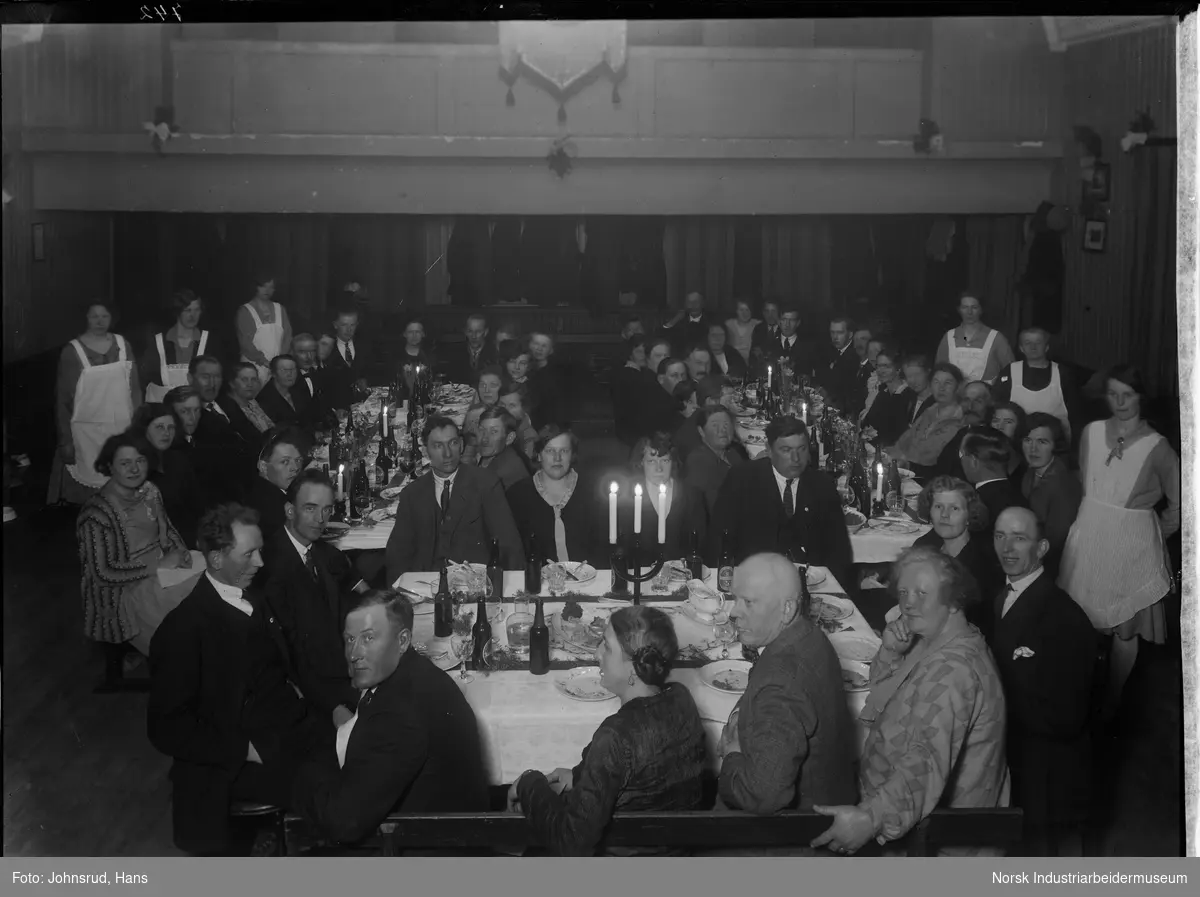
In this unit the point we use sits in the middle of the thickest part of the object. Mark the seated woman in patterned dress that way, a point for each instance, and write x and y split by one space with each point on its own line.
649 755
936 712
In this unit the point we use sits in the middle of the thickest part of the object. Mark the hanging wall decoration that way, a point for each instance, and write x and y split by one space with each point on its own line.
162 128
1139 131
561 156
562 57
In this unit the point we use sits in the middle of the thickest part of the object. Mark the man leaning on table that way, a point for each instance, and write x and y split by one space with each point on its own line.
790 741
453 512
412 744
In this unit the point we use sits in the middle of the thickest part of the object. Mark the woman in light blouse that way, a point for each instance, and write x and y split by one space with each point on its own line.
741 329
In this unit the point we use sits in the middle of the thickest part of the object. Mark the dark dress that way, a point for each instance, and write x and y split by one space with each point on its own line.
888 414
688 513
535 520
979 557
649 755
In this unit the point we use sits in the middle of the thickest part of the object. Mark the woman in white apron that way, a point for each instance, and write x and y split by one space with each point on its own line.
1037 383
977 350
1115 563
165 364
263 328
97 391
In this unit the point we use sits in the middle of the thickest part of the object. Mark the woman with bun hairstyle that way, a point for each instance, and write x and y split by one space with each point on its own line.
649 755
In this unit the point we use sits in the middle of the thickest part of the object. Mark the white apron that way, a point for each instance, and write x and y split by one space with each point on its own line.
173 375
103 408
1049 400
1115 560
268 338
972 362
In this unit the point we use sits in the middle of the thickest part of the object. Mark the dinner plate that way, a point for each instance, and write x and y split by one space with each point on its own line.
576 643
581 571
834 610
381 514
730 677
583 684
816 577
335 531
755 437
438 652
850 646
905 473
894 527
856 677
391 493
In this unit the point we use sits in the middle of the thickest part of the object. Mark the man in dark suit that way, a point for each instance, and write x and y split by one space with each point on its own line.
1045 649
778 503
310 586
347 366
221 703
689 327
497 433
836 364
223 459
279 398
465 363
278 464
791 346
413 742
725 361
309 393
766 335
454 511
985 455
862 373
659 409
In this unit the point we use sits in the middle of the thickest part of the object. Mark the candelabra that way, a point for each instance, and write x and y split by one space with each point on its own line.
627 565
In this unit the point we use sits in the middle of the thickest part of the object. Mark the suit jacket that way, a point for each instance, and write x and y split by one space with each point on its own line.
421 541
836 372
508 466
269 500
687 333
459 366
750 507
657 410
764 338
313 407
706 472
241 425
1049 698
311 615
888 414
224 461
1000 494
279 409
586 530
914 409
415 748
800 355
686 437
340 377
218 683
183 497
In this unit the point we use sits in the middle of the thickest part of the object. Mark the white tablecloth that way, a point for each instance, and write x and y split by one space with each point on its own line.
525 722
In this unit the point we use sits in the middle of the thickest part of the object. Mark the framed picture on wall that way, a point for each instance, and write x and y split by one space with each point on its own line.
1098 190
1095 235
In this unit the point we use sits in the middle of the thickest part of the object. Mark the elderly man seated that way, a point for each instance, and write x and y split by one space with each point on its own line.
221 703
789 742
412 744
497 452
452 512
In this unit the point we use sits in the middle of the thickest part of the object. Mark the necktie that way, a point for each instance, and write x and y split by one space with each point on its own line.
364 699
1009 590
349 354
445 499
311 563
308 381
789 503
217 409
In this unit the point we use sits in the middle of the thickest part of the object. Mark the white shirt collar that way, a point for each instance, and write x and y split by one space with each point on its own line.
992 480
440 480
1019 586
781 482
231 595
299 548
696 319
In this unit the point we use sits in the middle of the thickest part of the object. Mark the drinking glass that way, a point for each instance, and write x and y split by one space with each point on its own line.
726 633
556 579
895 503
662 582
462 646
517 627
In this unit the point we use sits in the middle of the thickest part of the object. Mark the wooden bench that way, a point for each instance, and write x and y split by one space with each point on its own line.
699 830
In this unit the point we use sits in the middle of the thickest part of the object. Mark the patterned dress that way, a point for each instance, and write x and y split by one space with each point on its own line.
938 740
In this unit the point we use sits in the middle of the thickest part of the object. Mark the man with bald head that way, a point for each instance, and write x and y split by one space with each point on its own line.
790 741
1045 649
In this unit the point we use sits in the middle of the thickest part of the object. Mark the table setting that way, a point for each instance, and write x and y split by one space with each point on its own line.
542 722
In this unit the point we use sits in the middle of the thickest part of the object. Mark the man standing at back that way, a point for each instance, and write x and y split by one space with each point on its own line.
790 741
464 365
412 744
689 327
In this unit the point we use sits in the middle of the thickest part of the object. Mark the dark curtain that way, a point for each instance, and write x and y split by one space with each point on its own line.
469 260
797 264
550 260
996 253
1153 321
505 259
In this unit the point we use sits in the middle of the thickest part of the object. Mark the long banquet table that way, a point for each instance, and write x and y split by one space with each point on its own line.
527 723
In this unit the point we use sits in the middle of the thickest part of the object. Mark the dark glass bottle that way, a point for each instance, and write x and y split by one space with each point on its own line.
443 608
893 489
533 568
695 561
805 596
619 585
860 483
539 642
384 463
481 636
360 491
496 572
725 571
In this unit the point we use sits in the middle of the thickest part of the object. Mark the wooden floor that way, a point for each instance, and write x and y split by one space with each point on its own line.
81 779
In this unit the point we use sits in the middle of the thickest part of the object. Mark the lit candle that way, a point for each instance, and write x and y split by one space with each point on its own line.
804 412
768 376
385 421
879 487
612 514
341 471
662 513
637 508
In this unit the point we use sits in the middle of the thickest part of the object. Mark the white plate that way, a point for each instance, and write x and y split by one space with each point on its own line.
582 572
856 676
391 493
730 677
438 652
699 616
894 527
816 577
381 514
851 646
755 437
834 609
905 473
583 684
568 642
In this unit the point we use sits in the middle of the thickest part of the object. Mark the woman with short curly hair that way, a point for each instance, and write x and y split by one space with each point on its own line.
649 755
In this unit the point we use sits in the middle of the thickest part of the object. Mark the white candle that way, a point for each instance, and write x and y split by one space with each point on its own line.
385 421
768 376
879 487
662 513
804 412
612 514
637 508
341 471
